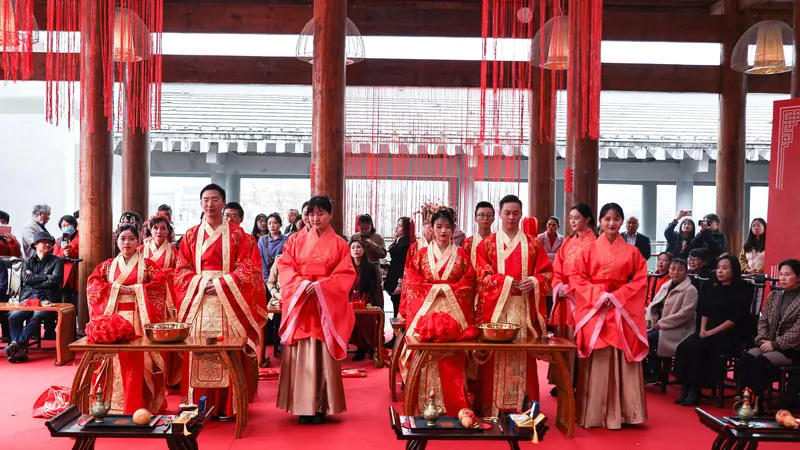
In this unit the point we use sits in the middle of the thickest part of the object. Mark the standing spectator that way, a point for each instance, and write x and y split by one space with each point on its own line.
638 240
458 235
751 257
8 247
550 239
373 242
403 237
271 245
292 217
41 279
234 213
67 247
678 242
260 226
165 210
39 218
710 237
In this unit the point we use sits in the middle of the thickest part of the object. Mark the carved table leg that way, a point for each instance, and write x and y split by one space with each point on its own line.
234 364
182 443
416 444
394 364
64 336
413 378
565 418
379 341
84 443
81 383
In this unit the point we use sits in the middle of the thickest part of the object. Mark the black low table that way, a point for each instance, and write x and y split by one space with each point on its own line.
732 437
417 439
66 425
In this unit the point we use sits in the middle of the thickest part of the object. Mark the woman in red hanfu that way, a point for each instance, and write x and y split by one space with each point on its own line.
158 249
581 220
440 278
316 276
610 282
134 288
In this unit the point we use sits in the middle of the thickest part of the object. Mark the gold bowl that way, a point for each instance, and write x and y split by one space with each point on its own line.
498 332
167 332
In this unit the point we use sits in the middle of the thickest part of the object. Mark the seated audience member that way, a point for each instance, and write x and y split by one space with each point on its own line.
373 242
709 237
751 258
550 239
366 287
778 339
671 317
698 264
9 246
292 217
724 309
41 279
660 276
678 242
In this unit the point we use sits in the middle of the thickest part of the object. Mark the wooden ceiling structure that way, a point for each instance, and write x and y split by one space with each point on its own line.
624 20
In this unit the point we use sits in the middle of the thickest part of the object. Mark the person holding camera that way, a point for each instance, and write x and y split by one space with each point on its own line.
678 242
709 237
373 243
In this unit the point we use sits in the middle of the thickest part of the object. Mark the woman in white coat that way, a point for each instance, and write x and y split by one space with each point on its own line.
671 317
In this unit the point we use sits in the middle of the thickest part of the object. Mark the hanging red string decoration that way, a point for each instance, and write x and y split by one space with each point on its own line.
18 33
126 36
583 75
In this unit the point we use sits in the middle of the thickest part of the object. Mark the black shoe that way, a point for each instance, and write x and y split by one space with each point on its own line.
554 392
306 420
390 344
20 358
12 349
318 419
684 394
265 363
361 353
693 399
651 379
224 418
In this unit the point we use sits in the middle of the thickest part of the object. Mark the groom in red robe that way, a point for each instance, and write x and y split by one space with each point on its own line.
514 276
219 291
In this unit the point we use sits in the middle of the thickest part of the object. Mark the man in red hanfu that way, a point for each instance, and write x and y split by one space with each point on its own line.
219 290
514 275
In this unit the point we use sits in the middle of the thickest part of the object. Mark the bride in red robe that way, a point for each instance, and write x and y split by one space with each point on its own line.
440 278
514 275
158 249
133 287
316 276
610 282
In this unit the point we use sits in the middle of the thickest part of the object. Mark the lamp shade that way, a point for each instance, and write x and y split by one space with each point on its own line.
764 49
354 50
550 46
18 27
131 37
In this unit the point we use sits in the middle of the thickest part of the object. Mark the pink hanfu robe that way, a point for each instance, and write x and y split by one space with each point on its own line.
236 308
316 327
131 380
507 376
440 281
610 282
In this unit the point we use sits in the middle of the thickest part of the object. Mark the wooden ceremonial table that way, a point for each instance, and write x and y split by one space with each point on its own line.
66 425
731 437
65 331
554 350
370 310
399 330
228 348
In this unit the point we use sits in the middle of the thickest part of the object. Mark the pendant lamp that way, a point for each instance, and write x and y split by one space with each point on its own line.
18 27
764 49
131 37
354 50
550 46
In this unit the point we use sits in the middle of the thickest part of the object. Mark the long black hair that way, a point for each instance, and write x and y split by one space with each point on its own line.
366 218
366 270
736 268
753 242
255 225
586 211
405 224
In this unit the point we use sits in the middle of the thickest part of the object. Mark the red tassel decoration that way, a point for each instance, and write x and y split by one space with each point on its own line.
18 33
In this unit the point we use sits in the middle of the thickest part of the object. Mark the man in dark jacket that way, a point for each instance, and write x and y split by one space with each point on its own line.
638 240
42 274
710 238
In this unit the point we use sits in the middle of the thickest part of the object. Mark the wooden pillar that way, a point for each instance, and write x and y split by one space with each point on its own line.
796 29
328 107
95 158
731 149
542 159
135 157
582 156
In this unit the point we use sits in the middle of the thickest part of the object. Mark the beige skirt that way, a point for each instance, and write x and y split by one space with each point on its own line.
310 380
610 391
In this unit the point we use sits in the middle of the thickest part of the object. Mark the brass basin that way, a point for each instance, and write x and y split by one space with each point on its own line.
498 332
167 332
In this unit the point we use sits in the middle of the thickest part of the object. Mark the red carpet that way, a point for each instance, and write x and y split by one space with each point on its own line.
365 425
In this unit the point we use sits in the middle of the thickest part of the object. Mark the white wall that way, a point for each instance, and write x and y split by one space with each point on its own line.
38 161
